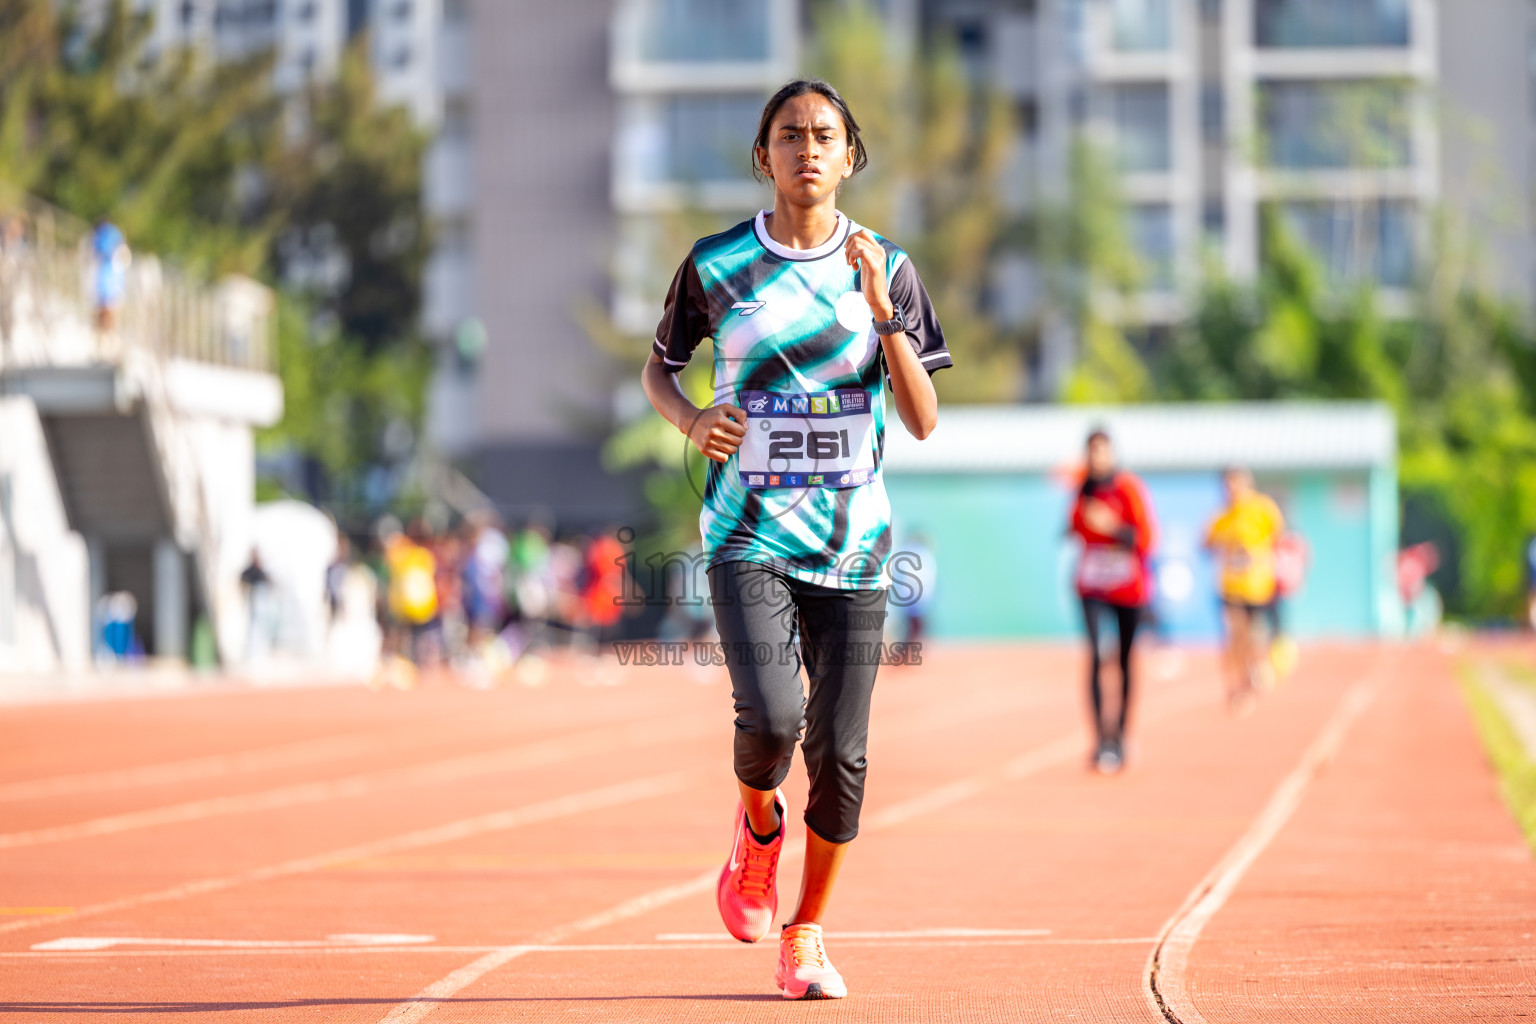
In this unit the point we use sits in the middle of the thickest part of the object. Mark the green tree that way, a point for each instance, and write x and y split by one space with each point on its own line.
1092 275
349 193
158 147
939 147
1459 371
199 162
938 150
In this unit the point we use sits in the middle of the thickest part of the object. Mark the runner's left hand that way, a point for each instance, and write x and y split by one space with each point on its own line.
1100 517
866 255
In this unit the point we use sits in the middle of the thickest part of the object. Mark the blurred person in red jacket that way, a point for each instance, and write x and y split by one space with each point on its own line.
1113 518
602 592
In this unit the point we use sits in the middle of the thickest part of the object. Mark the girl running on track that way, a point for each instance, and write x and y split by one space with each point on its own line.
1243 537
1114 520
808 312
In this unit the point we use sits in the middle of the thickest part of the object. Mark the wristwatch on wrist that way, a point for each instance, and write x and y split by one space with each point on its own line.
897 323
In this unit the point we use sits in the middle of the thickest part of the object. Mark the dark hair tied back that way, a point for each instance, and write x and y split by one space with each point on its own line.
801 87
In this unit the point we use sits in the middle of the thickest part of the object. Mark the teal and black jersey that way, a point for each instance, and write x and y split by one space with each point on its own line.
795 347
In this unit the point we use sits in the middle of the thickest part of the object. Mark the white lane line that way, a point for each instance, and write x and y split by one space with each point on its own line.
1059 751
454 769
198 768
1164 980
497 821
77 943
914 933
717 944
666 728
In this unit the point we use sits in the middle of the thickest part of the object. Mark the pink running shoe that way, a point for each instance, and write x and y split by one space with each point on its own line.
747 894
804 970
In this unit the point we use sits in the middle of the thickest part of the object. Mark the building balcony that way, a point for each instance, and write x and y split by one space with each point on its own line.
1365 63
1345 183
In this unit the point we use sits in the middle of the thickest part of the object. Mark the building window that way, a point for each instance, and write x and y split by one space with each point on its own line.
1213 221
704 30
1353 240
709 137
401 59
1314 125
1210 10
1330 23
403 10
1141 25
1027 117
1151 231
972 37
305 13
1213 112
1142 129
690 139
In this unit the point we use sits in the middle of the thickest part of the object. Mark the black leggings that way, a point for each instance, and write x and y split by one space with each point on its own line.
1126 620
760 614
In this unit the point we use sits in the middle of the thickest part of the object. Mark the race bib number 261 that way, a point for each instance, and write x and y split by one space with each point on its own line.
823 439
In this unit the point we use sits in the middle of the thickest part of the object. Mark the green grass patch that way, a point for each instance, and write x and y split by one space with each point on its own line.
1519 672
1517 772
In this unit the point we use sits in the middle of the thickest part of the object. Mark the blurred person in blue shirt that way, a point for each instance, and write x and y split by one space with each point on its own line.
110 280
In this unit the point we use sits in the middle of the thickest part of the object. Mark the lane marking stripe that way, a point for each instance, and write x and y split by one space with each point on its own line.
915 933
661 729
1059 751
76 943
497 821
351 855
718 944
1164 979
198 768
454 769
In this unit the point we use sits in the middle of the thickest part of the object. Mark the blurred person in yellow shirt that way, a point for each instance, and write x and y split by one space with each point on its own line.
1242 538
414 635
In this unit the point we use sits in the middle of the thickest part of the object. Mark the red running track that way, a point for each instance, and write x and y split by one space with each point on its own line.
547 854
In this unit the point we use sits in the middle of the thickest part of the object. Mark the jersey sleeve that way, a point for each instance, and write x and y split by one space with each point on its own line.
1276 520
684 319
1142 522
923 331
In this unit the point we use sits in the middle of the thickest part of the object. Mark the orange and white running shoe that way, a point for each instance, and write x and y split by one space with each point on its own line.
804 970
747 894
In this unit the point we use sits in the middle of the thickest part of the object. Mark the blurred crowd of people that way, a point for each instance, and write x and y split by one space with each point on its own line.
480 600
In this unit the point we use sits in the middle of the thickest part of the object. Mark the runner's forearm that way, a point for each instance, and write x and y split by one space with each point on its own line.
666 394
916 402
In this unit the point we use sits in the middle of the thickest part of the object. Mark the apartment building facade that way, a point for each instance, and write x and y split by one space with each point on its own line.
571 138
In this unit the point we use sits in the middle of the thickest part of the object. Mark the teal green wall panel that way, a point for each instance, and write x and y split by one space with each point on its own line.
999 551
1004 563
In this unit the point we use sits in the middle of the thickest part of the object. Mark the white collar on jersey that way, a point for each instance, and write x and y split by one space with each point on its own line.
827 248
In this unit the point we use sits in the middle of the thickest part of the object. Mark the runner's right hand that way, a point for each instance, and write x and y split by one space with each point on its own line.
718 431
